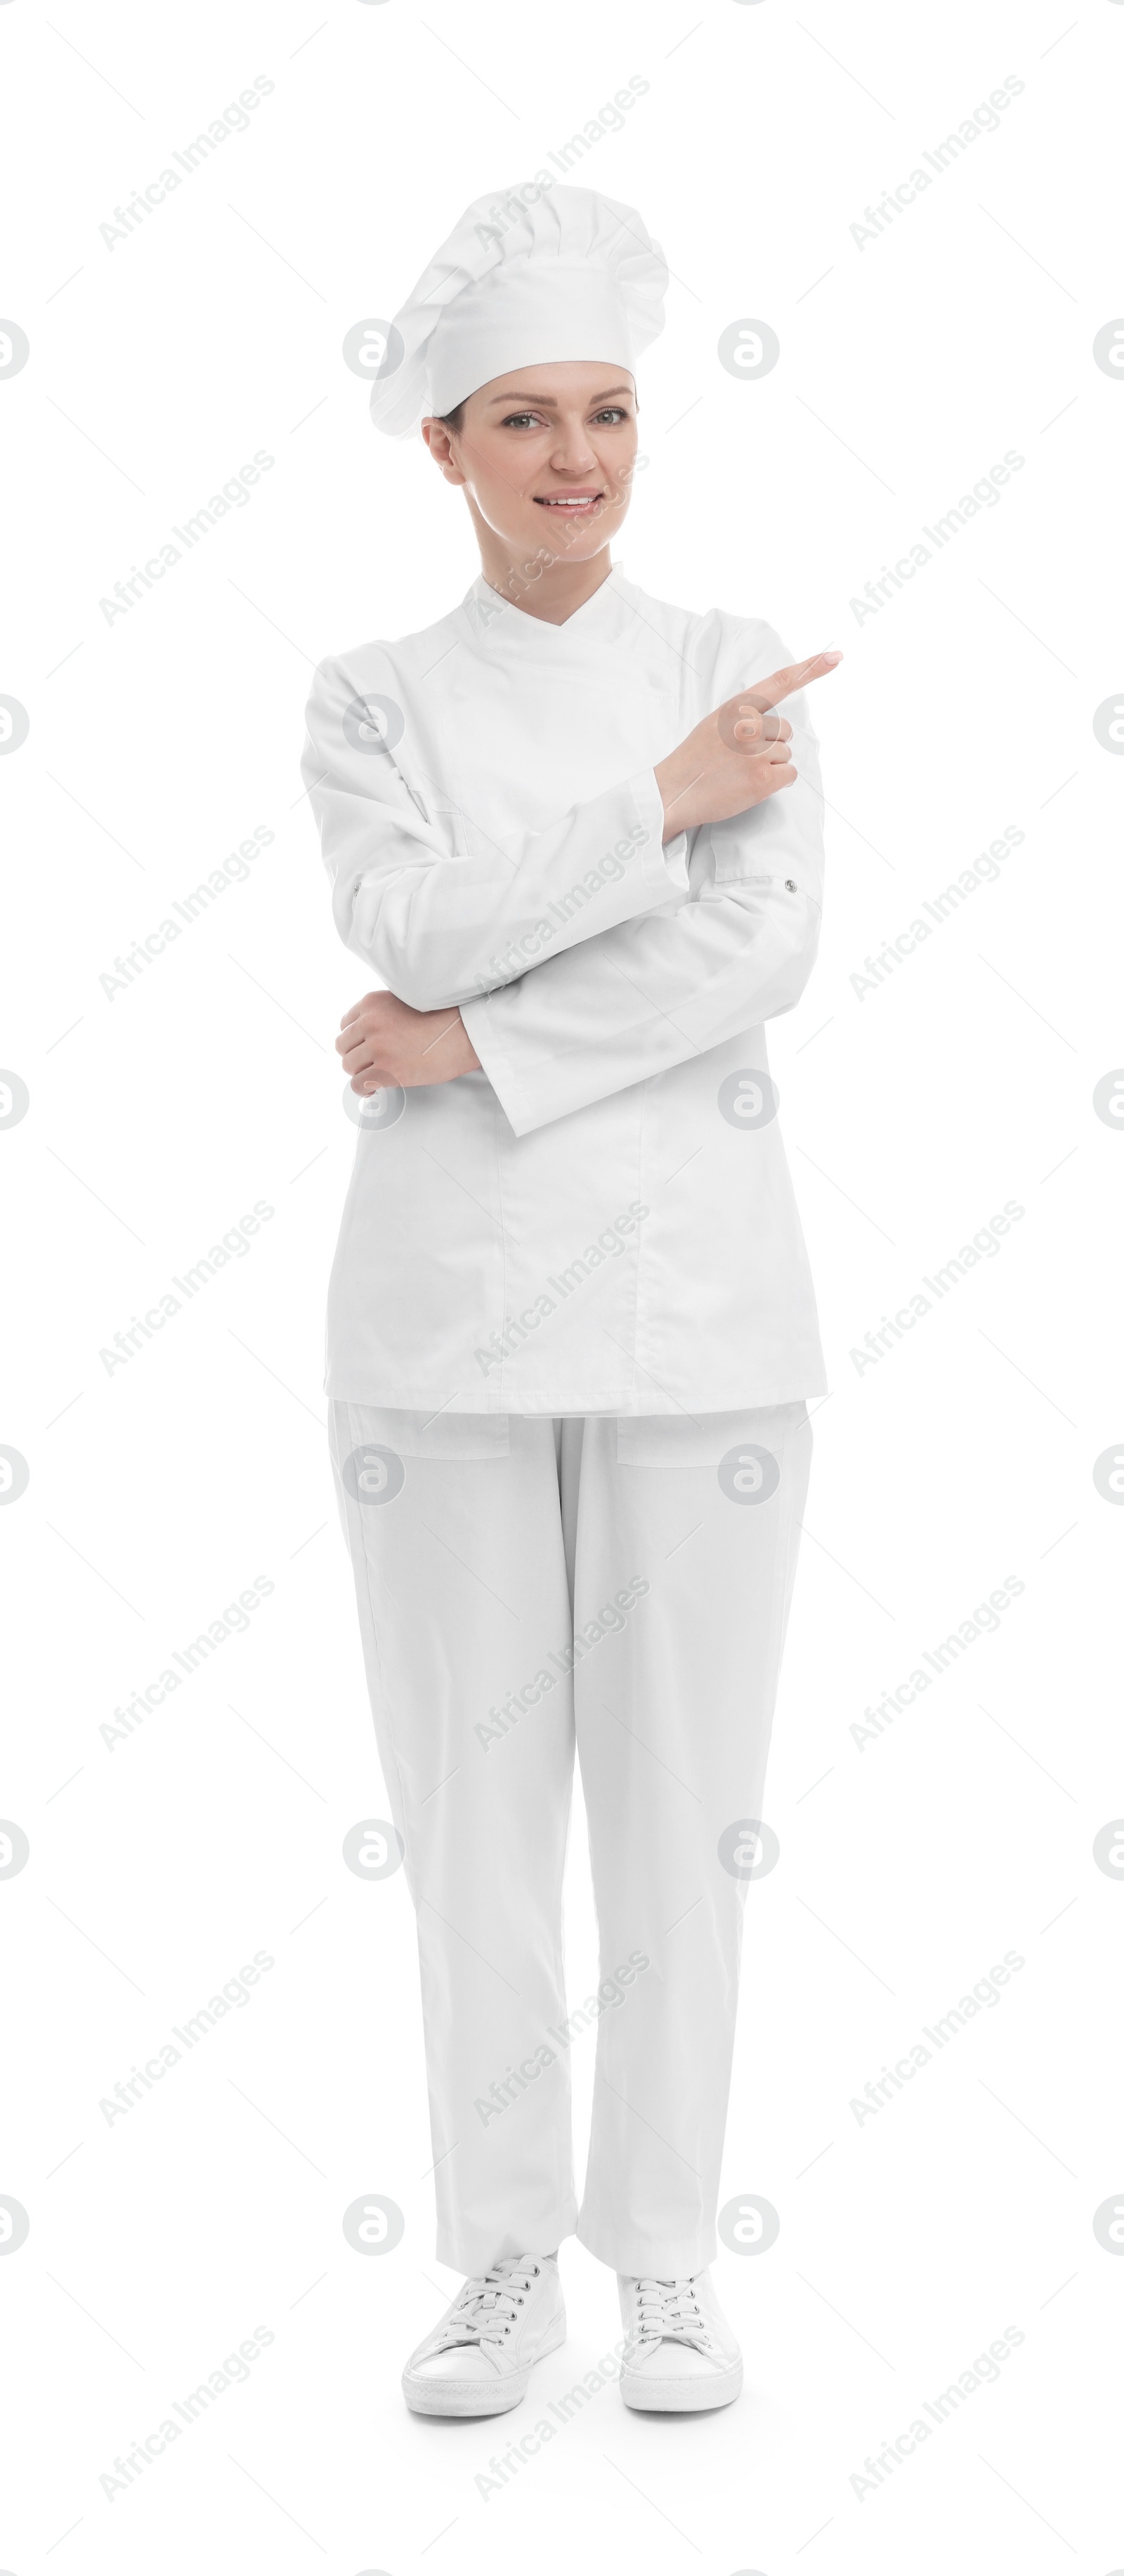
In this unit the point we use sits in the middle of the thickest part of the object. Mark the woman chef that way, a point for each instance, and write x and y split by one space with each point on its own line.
571 1326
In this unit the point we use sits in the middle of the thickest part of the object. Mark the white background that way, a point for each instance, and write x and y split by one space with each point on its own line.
909 365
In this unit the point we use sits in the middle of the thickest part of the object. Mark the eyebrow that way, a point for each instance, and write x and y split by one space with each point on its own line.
547 402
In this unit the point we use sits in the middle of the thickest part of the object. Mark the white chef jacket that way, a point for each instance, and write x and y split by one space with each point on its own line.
601 1220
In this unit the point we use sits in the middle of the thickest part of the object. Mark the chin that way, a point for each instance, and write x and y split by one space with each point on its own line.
573 545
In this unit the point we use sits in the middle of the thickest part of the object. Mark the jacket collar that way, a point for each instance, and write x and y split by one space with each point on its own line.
504 627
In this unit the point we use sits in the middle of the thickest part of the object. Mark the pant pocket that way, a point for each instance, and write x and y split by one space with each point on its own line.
702 1439
422 1435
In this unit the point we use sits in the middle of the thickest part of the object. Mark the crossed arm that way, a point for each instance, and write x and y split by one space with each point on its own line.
642 975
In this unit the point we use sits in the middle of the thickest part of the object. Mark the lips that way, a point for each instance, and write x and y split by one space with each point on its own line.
570 505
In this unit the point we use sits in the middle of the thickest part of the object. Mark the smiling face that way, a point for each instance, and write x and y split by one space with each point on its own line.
545 457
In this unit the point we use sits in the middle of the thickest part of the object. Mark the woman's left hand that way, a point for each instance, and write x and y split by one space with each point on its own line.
382 1042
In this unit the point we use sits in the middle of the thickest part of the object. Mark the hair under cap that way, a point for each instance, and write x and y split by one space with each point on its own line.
539 275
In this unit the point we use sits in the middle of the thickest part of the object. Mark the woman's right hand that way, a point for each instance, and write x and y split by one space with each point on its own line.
737 756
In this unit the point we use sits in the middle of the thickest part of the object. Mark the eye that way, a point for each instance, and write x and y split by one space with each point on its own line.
519 419
613 411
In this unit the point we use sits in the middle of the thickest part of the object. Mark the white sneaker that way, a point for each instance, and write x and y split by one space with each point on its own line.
479 2358
679 2354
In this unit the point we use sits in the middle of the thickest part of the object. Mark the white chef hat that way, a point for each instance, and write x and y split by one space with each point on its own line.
538 275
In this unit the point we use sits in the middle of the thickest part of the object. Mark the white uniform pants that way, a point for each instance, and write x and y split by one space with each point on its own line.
523 1582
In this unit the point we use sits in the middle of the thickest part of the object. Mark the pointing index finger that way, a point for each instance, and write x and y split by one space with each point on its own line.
780 684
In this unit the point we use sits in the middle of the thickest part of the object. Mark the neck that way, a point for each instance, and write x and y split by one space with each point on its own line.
551 590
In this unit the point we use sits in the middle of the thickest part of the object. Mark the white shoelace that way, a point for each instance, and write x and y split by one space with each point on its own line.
668 2311
486 2308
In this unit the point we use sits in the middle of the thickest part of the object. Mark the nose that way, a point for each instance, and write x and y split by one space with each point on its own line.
572 453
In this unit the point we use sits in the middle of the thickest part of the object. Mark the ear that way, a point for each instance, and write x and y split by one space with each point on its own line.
440 444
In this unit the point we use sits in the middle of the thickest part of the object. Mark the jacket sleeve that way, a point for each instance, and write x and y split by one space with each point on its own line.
651 993
440 924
